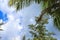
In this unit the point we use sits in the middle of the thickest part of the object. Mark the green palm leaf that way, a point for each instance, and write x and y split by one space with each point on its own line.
50 7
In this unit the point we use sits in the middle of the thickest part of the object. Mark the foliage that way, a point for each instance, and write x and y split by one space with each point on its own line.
24 38
39 31
51 7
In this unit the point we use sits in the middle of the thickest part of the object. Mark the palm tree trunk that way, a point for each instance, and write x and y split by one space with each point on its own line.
48 10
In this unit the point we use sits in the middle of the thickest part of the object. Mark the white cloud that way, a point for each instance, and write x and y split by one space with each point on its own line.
1 21
12 28
16 38
10 17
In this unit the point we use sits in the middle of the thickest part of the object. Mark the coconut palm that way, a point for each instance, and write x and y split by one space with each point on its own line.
51 7
39 31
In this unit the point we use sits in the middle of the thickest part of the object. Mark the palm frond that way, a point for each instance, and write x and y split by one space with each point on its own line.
49 6
22 3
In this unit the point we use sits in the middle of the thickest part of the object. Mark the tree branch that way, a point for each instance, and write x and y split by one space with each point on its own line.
48 10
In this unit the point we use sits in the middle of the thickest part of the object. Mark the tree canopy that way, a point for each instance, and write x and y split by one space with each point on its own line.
51 7
39 31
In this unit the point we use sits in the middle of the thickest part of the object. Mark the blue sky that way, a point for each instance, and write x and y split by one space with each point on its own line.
16 23
3 16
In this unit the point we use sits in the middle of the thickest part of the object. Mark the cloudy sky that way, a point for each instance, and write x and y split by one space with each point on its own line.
16 23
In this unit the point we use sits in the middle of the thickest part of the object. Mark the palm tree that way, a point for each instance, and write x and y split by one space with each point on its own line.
39 31
51 7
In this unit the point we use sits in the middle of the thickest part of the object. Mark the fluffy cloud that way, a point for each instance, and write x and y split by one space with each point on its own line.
17 21
15 38
12 27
